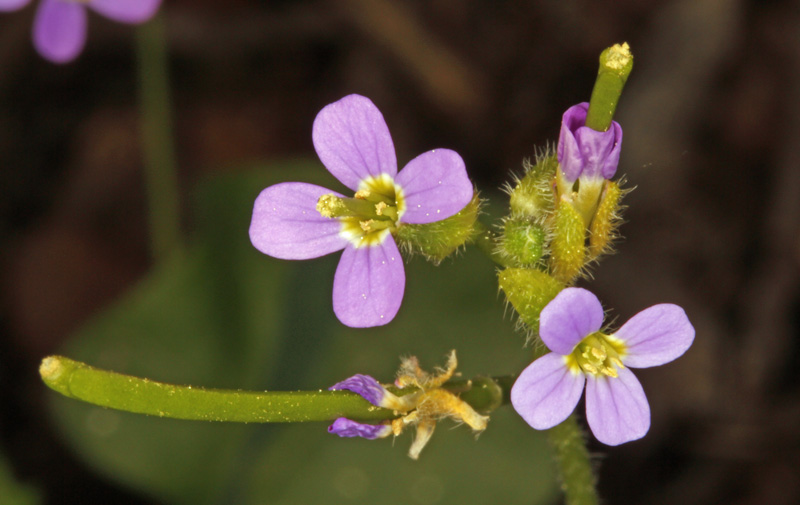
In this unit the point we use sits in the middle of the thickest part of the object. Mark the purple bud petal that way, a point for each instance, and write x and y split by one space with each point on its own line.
369 284
584 152
435 185
616 408
126 11
547 391
572 315
12 5
365 386
353 142
346 428
286 223
59 30
656 335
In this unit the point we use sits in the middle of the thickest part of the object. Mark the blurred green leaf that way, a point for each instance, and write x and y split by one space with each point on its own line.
224 315
12 491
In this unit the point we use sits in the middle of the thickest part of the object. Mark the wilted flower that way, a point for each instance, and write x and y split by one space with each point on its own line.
297 221
617 411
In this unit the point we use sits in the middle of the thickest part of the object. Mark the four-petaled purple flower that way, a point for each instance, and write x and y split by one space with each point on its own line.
617 411
59 28
586 153
300 221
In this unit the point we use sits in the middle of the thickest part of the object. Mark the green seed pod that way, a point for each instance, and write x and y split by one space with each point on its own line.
528 291
603 229
438 240
568 247
522 242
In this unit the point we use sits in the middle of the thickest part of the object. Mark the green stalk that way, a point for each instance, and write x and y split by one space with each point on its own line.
573 463
161 180
486 241
80 381
616 64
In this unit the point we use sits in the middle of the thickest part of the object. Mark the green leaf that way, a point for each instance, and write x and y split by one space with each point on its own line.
222 315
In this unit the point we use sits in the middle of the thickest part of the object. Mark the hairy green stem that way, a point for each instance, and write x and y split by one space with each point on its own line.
80 381
616 64
160 172
573 463
486 241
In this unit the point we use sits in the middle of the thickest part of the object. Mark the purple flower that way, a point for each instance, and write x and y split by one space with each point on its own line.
347 428
297 221
584 152
616 407
59 28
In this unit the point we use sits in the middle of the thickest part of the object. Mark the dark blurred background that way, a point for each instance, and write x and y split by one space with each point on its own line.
711 116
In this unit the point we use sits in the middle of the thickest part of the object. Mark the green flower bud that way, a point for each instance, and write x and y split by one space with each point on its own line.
438 240
523 242
603 229
532 196
528 291
568 247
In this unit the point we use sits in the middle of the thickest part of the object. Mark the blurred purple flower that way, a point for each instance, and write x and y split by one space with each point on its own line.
617 411
59 28
298 221
584 152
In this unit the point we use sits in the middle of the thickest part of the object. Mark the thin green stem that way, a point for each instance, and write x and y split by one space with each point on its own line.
80 381
573 463
160 172
616 64
486 241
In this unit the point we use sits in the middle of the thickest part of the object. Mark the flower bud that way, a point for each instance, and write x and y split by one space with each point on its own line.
523 242
603 229
532 196
528 291
568 247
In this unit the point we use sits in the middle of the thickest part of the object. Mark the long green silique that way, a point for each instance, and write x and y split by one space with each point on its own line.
80 381
616 63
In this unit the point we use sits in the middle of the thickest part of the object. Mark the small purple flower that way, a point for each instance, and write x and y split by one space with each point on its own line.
59 28
617 411
347 428
584 152
298 221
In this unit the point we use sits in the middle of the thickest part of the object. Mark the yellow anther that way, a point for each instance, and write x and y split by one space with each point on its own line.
589 368
330 205
366 225
599 353
362 194
609 371
380 207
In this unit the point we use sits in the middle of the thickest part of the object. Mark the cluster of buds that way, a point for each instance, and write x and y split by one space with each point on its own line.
564 214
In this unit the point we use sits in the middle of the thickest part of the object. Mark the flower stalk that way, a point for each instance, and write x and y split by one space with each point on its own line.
161 180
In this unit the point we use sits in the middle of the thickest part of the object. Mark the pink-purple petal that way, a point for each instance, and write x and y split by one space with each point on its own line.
584 152
364 385
656 335
126 11
546 392
286 224
616 408
572 315
59 30
435 185
353 142
347 428
12 5
369 285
